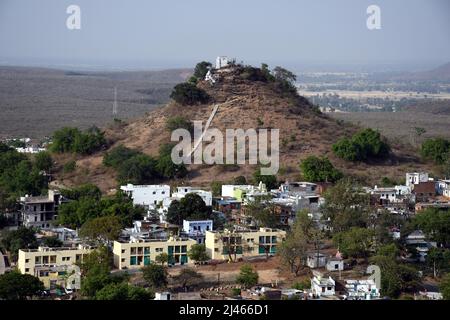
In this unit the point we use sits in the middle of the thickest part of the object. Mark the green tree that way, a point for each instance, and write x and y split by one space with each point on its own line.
444 287
166 167
22 238
216 188
438 260
188 94
389 250
293 250
155 275
102 229
179 122
436 149
346 206
365 145
95 269
122 291
43 161
52 242
435 223
201 69
269 180
82 191
395 277
162 258
315 169
191 206
17 286
247 276
356 242
198 253
285 79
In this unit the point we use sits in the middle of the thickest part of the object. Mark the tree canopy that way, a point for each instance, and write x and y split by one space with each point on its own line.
188 94
247 276
72 140
315 169
191 207
363 146
17 286
437 150
155 275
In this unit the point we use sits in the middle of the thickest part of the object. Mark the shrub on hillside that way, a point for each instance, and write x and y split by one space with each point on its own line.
437 150
188 94
73 140
315 169
365 145
201 69
179 122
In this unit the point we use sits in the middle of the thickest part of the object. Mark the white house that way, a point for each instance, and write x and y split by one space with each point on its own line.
196 229
316 260
147 195
183 191
443 188
222 62
322 286
335 264
413 178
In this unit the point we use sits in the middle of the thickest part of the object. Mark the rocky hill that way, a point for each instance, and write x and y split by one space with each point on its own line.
243 103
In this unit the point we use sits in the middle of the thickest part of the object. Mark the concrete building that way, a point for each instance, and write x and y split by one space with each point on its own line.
335 264
183 191
424 191
413 178
244 193
68 277
316 260
40 212
222 62
196 229
136 254
30 259
361 290
148 196
321 286
242 243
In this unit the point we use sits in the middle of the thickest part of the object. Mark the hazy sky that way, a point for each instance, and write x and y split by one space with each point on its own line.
164 33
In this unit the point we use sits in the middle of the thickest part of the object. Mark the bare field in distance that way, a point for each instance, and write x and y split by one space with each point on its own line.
36 101
399 126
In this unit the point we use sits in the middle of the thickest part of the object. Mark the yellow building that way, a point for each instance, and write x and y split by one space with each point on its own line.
135 254
228 244
61 276
48 264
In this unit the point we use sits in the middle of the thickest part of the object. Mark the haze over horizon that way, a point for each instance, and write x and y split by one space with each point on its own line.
139 34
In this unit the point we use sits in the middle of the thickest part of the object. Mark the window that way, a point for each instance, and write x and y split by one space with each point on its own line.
133 250
123 250
154 192
122 260
27 269
133 261
27 260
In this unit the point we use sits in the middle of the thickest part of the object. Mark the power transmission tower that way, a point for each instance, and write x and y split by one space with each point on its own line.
115 107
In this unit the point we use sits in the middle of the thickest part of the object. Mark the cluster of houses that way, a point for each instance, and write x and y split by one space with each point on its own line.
140 244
